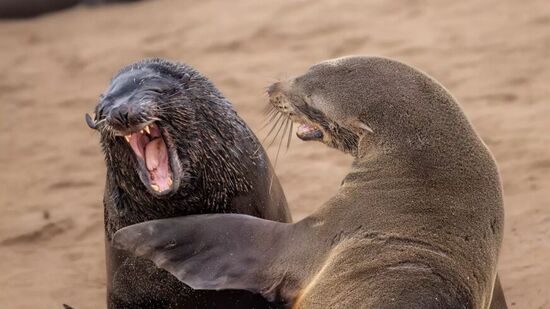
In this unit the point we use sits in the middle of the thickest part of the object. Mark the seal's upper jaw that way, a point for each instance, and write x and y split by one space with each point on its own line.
151 150
307 129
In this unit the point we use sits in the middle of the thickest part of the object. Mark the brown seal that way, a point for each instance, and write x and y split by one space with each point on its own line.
417 222
174 146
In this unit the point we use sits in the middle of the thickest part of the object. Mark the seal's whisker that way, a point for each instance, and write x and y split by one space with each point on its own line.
269 108
287 120
273 128
269 119
100 121
278 131
289 135
267 122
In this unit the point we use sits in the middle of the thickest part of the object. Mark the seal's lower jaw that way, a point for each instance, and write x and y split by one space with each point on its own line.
156 159
307 132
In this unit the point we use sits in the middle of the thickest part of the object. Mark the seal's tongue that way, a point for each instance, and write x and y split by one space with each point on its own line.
308 132
149 146
156 160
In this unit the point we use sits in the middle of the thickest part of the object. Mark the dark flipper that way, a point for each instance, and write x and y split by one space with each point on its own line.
498 301
212 252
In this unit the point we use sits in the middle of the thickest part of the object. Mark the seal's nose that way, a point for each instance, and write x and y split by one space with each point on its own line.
273 88
119 116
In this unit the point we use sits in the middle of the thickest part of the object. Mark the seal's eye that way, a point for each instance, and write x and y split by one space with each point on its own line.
157 91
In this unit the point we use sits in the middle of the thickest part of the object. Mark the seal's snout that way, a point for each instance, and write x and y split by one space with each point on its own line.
119 116
128 120
278 99
279 89
273 88
126 117
307 130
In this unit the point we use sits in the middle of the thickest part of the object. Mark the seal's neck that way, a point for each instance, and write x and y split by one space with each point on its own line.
375 161
376 168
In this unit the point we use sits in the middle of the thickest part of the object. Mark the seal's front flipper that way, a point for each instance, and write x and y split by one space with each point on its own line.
212 252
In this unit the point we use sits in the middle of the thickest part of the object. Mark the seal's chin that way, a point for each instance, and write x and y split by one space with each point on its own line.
308 132
153 154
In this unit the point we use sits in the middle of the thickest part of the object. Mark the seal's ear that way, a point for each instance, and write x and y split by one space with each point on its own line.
362 125
90 122
211 252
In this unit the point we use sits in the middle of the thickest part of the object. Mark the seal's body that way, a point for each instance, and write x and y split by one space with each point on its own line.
174 146
417 223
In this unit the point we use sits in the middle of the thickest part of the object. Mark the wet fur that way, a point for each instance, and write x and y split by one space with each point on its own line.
224 168
417 223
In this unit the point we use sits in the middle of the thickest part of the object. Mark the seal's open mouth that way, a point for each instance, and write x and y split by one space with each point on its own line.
308 132
153 154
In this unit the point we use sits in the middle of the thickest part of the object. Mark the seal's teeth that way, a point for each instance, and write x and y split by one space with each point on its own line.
141 131
155 187
147 129
127 137
169 182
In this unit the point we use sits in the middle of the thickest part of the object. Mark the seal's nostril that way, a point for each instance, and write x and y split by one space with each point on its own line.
119 116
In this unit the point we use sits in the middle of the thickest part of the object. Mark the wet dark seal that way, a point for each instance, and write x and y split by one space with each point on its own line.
174 146
417 222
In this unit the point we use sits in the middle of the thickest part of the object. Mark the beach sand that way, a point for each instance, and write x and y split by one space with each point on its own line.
493 55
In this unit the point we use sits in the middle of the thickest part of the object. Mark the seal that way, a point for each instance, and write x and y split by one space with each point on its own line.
417 222
10 9
174 146
31 8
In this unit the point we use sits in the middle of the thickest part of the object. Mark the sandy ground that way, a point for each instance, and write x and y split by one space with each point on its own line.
493 55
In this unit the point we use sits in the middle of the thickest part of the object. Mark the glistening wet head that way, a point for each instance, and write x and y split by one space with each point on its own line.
128 119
